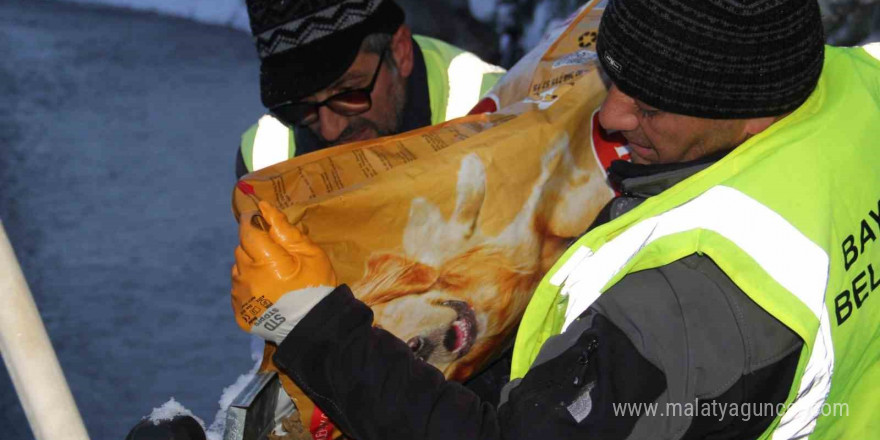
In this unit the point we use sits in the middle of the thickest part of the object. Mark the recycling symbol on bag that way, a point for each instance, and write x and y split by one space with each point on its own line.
587 39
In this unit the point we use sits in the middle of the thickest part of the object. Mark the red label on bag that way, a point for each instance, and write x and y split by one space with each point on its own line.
321 426
489 104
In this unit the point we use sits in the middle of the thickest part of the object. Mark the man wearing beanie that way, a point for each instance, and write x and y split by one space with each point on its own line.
338 71
728 293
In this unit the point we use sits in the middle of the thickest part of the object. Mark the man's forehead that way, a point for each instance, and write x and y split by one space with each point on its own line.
609 83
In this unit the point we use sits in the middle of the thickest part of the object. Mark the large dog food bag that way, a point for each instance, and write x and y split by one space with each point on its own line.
445 231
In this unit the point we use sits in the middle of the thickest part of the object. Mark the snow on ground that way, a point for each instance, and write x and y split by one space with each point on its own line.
223 12
449 20
118 133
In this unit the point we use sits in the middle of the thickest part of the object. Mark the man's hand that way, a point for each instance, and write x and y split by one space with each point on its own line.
278 275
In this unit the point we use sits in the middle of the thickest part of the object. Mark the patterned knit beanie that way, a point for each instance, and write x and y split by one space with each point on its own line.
305 45
719 59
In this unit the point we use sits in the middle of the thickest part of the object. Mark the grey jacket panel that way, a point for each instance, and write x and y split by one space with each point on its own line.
692 322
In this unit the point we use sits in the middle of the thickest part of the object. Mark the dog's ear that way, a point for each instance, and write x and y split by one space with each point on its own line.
428 237
424 230
522 234
471 191
391 276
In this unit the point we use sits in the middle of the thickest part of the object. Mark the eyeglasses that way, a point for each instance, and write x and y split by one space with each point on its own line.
347 103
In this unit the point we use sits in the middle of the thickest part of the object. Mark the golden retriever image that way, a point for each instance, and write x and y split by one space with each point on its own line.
456 295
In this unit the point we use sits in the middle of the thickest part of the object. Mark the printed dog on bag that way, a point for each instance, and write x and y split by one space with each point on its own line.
455 295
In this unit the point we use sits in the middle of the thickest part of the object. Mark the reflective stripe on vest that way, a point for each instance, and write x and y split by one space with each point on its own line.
271 143
760 232
873 49
763 234
465 75
800 418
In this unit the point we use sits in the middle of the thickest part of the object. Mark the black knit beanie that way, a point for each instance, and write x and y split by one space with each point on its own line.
719 59
305 45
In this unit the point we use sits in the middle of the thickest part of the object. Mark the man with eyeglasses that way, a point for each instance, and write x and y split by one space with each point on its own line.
340 71
730 291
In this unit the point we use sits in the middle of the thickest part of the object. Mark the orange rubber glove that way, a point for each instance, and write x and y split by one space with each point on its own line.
278 275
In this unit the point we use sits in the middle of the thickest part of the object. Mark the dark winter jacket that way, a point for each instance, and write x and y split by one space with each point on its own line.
682 337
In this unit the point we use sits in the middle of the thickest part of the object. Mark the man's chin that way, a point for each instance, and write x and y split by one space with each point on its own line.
362 134
642 155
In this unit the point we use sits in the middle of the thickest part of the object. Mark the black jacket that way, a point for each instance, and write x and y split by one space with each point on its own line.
682 336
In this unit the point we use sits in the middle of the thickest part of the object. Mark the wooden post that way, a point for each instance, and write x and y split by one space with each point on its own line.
30 358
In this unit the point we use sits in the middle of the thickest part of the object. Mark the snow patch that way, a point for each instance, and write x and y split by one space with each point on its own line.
215 431
173 408
170 410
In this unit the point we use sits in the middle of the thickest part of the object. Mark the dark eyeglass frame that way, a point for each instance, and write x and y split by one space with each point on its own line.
302 113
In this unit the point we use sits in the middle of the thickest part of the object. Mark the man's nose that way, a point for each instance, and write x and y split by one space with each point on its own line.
618 111
331 124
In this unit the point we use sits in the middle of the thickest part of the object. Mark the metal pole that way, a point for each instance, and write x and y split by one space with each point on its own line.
30 359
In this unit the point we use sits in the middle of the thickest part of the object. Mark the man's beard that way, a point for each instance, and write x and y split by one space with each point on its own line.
355 125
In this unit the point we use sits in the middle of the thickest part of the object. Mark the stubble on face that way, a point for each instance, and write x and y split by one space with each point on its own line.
384 117
386 123
670 138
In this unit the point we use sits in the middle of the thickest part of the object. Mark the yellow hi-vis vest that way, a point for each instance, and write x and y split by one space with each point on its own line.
456 81
792 216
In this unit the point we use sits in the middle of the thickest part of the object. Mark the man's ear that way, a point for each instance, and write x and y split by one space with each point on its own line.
757 125
402 50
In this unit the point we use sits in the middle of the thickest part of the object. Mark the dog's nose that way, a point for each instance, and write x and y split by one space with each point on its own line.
421 347
415 343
